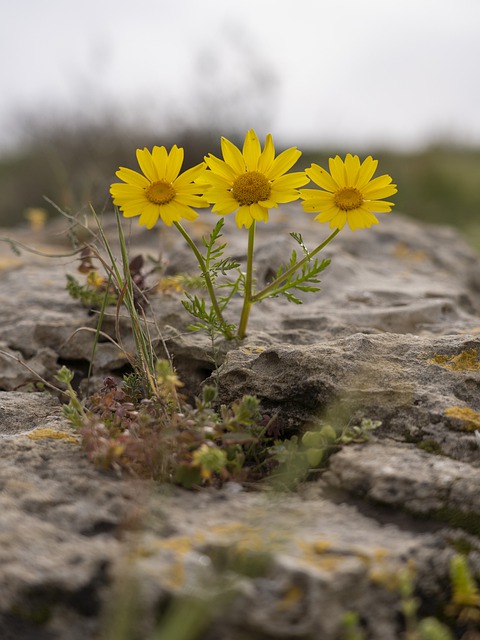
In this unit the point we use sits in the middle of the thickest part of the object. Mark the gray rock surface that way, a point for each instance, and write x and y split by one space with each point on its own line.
86 553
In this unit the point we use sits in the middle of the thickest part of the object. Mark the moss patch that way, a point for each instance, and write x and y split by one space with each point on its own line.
430 446
468 521
461 545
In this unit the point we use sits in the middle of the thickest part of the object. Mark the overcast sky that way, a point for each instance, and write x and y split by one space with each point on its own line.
352 73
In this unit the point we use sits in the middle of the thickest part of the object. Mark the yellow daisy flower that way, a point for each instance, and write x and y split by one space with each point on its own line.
251 181
349 194
162 191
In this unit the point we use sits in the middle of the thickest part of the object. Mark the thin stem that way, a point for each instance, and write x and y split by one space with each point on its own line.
273 285
206 275
248 298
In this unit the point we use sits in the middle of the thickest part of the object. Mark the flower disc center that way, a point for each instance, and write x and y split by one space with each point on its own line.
251 187
160 192
348 198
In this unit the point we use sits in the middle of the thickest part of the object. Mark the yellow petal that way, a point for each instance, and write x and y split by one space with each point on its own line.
218 193
360 219
243 217
160 160
378 194
233 156
223 202
149 216
123 187
189 214
269 204
194 174
131 213
367 169
285 195
135 208
191 200
338 222
191 189
179 211
258 213
251 150
378 206
132 177
352 167
337 170
371 218
328 208
315 194
326 216
291 180
321 177
174 163
220 168
121 190
377 184
171 212
146 164
313 205
223 209
267 156
216 182
283 163
167 216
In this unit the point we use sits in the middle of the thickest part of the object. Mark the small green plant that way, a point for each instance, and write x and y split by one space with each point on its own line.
160 436
91 294
127 280
429 628
465 599
290 277
164 438
462 613
360 433
351 627
73 411
299 457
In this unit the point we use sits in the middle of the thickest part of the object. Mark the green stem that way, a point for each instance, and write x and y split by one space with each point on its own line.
273 285
206 275
248 298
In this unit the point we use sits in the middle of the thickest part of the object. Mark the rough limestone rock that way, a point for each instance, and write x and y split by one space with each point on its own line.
389 377
392 336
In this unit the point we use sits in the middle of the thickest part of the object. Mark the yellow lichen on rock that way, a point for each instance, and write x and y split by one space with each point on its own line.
469 418
43 433
292 598
403 251
466 360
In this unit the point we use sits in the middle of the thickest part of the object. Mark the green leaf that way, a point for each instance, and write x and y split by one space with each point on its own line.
298 238
64 375
315 457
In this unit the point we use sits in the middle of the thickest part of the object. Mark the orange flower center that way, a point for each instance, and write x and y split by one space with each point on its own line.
348 198
251 187
160 192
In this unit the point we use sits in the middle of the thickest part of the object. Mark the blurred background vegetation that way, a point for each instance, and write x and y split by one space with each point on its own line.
74 164
68 150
